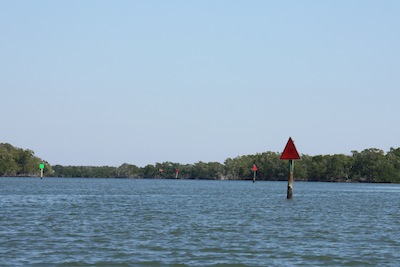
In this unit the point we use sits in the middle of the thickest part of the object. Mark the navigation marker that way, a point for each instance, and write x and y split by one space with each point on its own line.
290 153
255 169
41 167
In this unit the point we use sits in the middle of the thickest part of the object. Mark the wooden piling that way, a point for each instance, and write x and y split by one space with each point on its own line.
290 181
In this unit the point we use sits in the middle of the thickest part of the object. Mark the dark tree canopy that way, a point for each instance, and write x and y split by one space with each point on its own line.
20 162
369 165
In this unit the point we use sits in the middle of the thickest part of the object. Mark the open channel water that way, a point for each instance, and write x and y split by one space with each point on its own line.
149 222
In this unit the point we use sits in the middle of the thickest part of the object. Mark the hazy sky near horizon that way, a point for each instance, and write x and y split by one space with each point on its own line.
140 82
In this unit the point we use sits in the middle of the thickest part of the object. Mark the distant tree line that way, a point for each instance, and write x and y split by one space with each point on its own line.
165 170
369 165
20 162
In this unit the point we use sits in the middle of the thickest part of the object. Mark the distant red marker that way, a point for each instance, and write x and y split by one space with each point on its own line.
255 169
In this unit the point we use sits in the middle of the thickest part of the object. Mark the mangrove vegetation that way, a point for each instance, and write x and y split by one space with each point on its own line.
369 165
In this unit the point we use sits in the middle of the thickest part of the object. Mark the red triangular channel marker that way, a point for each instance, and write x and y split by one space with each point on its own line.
290 151
255 167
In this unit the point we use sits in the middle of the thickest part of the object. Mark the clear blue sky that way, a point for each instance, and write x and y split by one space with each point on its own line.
140 82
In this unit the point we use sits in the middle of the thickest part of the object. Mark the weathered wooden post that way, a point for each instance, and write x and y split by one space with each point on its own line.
290 181
290 153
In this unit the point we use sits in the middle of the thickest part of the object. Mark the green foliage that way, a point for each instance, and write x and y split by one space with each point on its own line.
20 162
270 167
127 171
85 171
393 157
370 165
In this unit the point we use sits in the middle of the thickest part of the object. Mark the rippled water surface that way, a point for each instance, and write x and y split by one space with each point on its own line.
139 222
